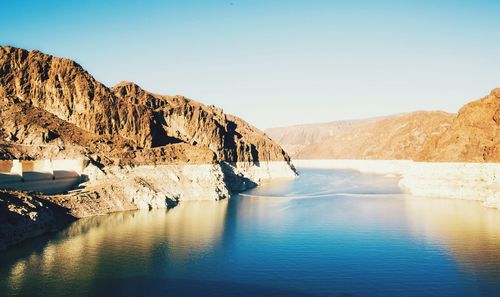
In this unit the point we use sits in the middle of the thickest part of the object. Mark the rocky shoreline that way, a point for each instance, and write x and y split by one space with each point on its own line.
453 180
23 216
123 188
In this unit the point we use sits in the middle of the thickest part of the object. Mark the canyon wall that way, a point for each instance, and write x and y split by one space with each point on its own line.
474 135
124 116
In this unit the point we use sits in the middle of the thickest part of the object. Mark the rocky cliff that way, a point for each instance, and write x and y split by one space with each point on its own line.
393 137
474 135
126 114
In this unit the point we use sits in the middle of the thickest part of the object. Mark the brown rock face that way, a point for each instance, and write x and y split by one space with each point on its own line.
63 88
474 135
72 108
185 120
393 137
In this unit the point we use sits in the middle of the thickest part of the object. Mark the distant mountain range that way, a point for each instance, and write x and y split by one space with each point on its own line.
471 136
295 138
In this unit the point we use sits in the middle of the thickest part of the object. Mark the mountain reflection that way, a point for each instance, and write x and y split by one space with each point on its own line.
466 229
89 247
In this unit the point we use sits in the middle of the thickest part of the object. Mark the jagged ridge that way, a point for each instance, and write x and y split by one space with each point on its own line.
141 119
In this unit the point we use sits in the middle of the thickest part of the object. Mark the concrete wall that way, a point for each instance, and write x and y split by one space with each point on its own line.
6 166
46 176
10 171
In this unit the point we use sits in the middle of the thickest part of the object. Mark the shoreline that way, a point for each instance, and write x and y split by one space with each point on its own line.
115 188
453 180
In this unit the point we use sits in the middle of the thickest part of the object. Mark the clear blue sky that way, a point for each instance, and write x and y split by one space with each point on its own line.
277 63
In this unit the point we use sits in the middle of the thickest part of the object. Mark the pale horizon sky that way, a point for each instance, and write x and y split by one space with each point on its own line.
277 63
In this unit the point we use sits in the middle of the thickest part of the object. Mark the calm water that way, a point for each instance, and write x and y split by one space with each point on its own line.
329 233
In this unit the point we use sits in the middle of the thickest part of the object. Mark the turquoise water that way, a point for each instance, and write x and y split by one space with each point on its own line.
328 233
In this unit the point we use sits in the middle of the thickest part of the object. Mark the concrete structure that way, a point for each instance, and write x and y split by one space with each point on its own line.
46 176
10 171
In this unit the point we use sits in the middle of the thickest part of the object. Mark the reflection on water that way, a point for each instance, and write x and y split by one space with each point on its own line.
467 230
328 233
115 243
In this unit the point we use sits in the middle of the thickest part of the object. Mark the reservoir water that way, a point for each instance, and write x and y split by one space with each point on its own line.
328 233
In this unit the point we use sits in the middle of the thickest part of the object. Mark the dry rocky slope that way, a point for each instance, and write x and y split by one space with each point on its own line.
133 118
294 138
393 137
143 150
474 135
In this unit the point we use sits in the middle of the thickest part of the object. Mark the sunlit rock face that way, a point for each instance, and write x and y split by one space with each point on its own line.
474 135
51 107
138 118
143 187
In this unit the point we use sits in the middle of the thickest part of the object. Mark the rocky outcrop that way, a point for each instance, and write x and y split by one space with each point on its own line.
474 135
23 216
396 137
63 88
122 188
232 139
